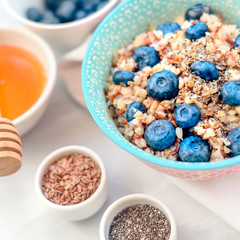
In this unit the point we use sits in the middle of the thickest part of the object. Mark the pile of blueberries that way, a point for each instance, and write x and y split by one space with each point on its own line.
62 11
163 85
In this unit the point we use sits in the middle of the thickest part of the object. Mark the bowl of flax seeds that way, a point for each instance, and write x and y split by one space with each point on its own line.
72 182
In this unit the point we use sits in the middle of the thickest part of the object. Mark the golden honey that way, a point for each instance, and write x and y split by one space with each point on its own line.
22 80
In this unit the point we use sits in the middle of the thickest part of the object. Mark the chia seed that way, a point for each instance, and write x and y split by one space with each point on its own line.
140 222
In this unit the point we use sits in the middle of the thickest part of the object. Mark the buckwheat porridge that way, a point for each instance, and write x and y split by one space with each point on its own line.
175 90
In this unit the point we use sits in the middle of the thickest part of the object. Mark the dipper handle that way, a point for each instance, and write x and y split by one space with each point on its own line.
10 148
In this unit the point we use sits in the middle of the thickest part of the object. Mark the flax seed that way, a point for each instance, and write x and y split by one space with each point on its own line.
71 180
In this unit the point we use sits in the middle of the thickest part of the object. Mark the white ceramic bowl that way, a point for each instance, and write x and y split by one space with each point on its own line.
131 200
81 210
37 46
65 35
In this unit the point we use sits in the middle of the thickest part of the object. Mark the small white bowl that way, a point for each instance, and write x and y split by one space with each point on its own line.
131 200
37 46
81 210
63 35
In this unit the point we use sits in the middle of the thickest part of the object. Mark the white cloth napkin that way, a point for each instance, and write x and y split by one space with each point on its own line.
222 196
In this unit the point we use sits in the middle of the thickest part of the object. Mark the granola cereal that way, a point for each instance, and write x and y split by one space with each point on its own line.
176 54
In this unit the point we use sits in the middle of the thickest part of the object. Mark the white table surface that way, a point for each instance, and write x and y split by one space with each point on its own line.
22 215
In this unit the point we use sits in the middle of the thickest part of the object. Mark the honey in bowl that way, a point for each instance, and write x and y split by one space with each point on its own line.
22 80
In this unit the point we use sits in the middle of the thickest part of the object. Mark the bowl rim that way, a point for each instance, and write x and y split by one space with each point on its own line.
152 159
50 78
55 155
106 8
134 199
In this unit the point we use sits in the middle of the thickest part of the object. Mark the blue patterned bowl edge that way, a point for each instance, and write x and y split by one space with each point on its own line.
123 143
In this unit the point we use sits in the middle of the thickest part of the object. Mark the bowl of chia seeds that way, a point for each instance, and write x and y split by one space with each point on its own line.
137 216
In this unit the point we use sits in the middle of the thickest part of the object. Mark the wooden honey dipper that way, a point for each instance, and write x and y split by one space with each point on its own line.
10 148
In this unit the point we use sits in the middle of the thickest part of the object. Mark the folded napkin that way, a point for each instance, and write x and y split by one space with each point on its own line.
222 196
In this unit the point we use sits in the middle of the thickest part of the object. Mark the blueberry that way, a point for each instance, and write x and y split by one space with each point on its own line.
234 139
205 70
187 115
101 4
78 3
196 11
169 27
230 93
160 134
163 85
53 4
194 149
34 14
80 14
49 18
145 56
237 41
133 108
123 76
196 31
89 6
65 11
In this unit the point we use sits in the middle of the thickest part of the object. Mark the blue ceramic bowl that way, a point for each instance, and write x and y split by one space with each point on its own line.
117 30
